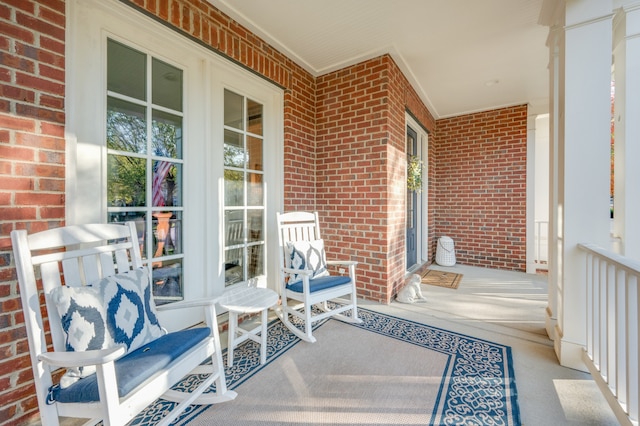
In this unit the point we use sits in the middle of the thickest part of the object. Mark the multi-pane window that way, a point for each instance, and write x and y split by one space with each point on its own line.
244 201
144 126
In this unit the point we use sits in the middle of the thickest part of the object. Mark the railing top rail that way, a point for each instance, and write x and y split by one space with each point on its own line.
630 265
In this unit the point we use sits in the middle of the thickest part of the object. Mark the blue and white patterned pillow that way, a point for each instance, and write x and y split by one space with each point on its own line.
131 315
118 310
307 255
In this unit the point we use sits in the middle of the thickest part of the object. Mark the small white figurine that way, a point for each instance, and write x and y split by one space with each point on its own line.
411 292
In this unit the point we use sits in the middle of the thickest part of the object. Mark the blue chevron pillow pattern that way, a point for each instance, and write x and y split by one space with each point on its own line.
307 255
118 310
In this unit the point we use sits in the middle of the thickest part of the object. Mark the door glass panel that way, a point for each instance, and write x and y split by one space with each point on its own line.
244 189
255 220
166 85
234 227
166 134
233 265
254 151
167 281
167 233
254 190
234 242
233 188
144 168
166 184
126 126
234 152
126 70
126 181
254 117
139 219
256 260
233 111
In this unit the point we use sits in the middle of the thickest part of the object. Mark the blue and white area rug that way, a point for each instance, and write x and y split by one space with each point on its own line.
385 371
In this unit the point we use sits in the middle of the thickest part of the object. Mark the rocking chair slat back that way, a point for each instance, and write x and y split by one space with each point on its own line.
340 289
76 256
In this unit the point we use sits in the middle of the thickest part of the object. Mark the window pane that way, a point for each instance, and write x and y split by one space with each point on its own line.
233 227
166 184
256 261
254 223
167 281
126 181
138 218
126 70
233 266
234 241
254 117
234 152
233 110
166 134
126 126
254 190
254 151
233 188
166 85
167 234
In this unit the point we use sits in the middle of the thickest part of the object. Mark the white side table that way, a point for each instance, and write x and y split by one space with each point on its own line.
247 300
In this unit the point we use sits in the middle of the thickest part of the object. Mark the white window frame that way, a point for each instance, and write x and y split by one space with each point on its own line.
206 74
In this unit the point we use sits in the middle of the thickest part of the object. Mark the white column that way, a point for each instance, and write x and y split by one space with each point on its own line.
556 53
584 163
531 194
627 131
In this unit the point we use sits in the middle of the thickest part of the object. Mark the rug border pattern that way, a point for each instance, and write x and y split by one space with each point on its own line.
478 376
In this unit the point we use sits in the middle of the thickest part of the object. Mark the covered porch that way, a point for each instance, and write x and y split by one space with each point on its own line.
255 132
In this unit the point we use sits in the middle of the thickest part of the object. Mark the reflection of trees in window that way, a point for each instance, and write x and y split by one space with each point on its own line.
126 176
126 127
166 135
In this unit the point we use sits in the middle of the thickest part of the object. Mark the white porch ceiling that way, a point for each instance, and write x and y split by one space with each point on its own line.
461 56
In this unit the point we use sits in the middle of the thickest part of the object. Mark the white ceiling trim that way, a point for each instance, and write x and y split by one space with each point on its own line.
281 47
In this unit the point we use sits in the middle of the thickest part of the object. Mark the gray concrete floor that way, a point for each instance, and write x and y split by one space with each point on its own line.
509 308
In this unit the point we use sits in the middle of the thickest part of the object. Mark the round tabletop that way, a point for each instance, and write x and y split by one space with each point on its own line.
248 299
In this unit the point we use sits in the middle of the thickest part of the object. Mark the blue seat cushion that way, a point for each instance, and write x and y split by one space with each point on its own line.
136 366
320 283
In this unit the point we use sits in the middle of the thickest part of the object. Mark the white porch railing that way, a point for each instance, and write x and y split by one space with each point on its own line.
613 340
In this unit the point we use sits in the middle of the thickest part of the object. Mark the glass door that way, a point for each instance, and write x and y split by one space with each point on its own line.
412 204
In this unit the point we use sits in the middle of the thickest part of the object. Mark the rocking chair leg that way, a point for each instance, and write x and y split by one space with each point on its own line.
307 325
284 317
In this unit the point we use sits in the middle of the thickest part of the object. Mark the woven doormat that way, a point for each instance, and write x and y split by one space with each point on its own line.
441 278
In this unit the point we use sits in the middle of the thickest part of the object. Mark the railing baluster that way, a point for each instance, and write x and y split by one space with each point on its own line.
590 304
611 325
613 340
633 347
596 313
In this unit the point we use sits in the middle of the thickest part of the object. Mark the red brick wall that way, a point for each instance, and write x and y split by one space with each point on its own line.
360 167
344 140
32 157
481 186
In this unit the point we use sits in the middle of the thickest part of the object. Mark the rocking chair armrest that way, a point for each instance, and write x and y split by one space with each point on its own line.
308 272
81 359
342 262
184 304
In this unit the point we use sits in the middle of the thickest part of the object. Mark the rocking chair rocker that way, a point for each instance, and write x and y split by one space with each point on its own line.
305 280
105 331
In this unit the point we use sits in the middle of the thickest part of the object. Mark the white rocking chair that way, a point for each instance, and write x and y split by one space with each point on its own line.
305 280
127 379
